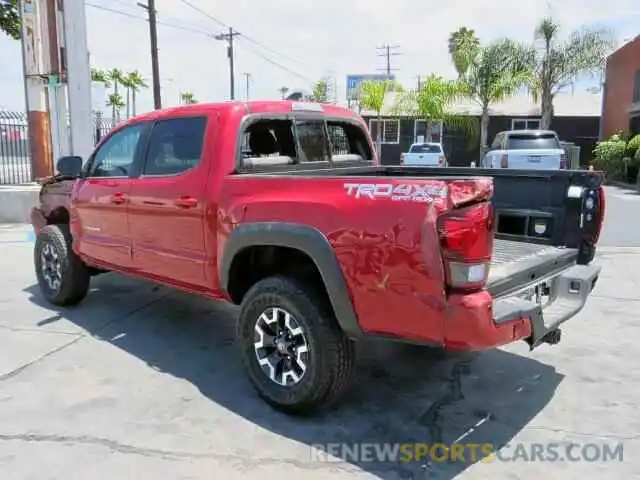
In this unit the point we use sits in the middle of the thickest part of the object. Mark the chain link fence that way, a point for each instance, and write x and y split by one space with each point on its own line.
15 157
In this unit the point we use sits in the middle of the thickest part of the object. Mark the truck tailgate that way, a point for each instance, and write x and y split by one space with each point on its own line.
516 265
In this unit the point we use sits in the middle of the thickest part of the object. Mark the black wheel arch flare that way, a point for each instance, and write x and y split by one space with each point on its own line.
308 240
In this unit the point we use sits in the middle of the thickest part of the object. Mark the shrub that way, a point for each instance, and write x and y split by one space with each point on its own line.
633 146
608 157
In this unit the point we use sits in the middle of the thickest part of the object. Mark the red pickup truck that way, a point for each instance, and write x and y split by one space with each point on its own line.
283 208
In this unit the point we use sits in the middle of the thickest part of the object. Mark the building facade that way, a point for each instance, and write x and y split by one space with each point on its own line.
576 120
621 103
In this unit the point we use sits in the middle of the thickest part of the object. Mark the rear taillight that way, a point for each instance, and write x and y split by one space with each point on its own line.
563 161
466 237
402 159
504 161
593 211
442 161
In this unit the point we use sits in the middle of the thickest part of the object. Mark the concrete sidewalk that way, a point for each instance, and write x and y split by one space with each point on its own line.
16 201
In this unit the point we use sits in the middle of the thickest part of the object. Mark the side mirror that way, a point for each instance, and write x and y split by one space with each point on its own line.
69 166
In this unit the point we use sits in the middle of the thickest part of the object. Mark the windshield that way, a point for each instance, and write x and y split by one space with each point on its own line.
523 141
425 148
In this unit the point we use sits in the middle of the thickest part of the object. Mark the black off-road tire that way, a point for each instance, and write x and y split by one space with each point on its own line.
331 356
75 275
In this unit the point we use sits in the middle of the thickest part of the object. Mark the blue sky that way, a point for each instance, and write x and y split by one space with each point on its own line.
291 44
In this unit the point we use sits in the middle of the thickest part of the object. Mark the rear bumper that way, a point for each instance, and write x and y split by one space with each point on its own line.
478 322
38 220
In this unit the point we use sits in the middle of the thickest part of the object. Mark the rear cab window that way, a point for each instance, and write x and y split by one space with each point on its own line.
523 141
302 141
426 148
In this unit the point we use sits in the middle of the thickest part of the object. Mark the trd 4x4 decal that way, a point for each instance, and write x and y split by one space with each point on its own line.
425 193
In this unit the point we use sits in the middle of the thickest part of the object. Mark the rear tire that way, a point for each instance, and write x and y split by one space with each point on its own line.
314 371
62 276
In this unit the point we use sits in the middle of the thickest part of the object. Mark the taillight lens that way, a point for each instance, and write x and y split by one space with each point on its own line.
594 208
442 161
467 242
563 161
402 159
504 161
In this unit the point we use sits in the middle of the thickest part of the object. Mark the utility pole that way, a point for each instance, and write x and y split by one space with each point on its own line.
247 78
150 7
386 51
34 59
228 37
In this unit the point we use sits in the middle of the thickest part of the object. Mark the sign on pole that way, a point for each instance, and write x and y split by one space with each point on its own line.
354 81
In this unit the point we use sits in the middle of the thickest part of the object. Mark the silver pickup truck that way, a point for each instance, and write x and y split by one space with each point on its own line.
526 150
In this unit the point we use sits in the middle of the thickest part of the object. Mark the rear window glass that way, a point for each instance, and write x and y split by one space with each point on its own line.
271 142
425 149
524 141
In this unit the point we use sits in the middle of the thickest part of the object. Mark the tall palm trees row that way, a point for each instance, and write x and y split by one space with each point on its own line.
131 83
491 73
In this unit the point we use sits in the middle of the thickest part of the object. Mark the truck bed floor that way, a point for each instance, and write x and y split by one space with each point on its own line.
517 264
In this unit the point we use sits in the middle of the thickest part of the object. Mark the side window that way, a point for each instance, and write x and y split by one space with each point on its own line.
312 141
115 157
175 146
349 142
268 142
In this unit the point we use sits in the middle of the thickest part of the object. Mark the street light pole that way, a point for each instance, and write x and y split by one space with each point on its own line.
247 77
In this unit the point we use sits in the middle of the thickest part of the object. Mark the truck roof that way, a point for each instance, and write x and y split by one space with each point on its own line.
251 106
529 132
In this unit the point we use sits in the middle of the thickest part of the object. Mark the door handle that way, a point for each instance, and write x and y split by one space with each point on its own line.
118 198
186 202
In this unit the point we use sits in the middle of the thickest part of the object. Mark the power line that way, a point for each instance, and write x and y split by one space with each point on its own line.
209 35
251 40
387 53
138 17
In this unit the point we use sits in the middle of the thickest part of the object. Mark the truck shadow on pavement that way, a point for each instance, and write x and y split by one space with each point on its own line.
401 394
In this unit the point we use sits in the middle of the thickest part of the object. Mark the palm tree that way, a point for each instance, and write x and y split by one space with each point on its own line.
319 92
126 84
116 76
372 96
133 82
463 48
100 76
283 91
497 72
432 102
116 103
188 98
558 64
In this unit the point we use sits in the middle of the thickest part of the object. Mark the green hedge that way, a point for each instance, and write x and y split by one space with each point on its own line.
619 159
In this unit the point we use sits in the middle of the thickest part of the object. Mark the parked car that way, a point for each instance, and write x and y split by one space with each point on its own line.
526 149
426 154
320 249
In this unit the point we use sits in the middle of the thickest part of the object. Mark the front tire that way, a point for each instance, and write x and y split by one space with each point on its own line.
62 276
297 357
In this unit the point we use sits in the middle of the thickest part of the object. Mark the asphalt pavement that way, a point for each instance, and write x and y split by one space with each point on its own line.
141 382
